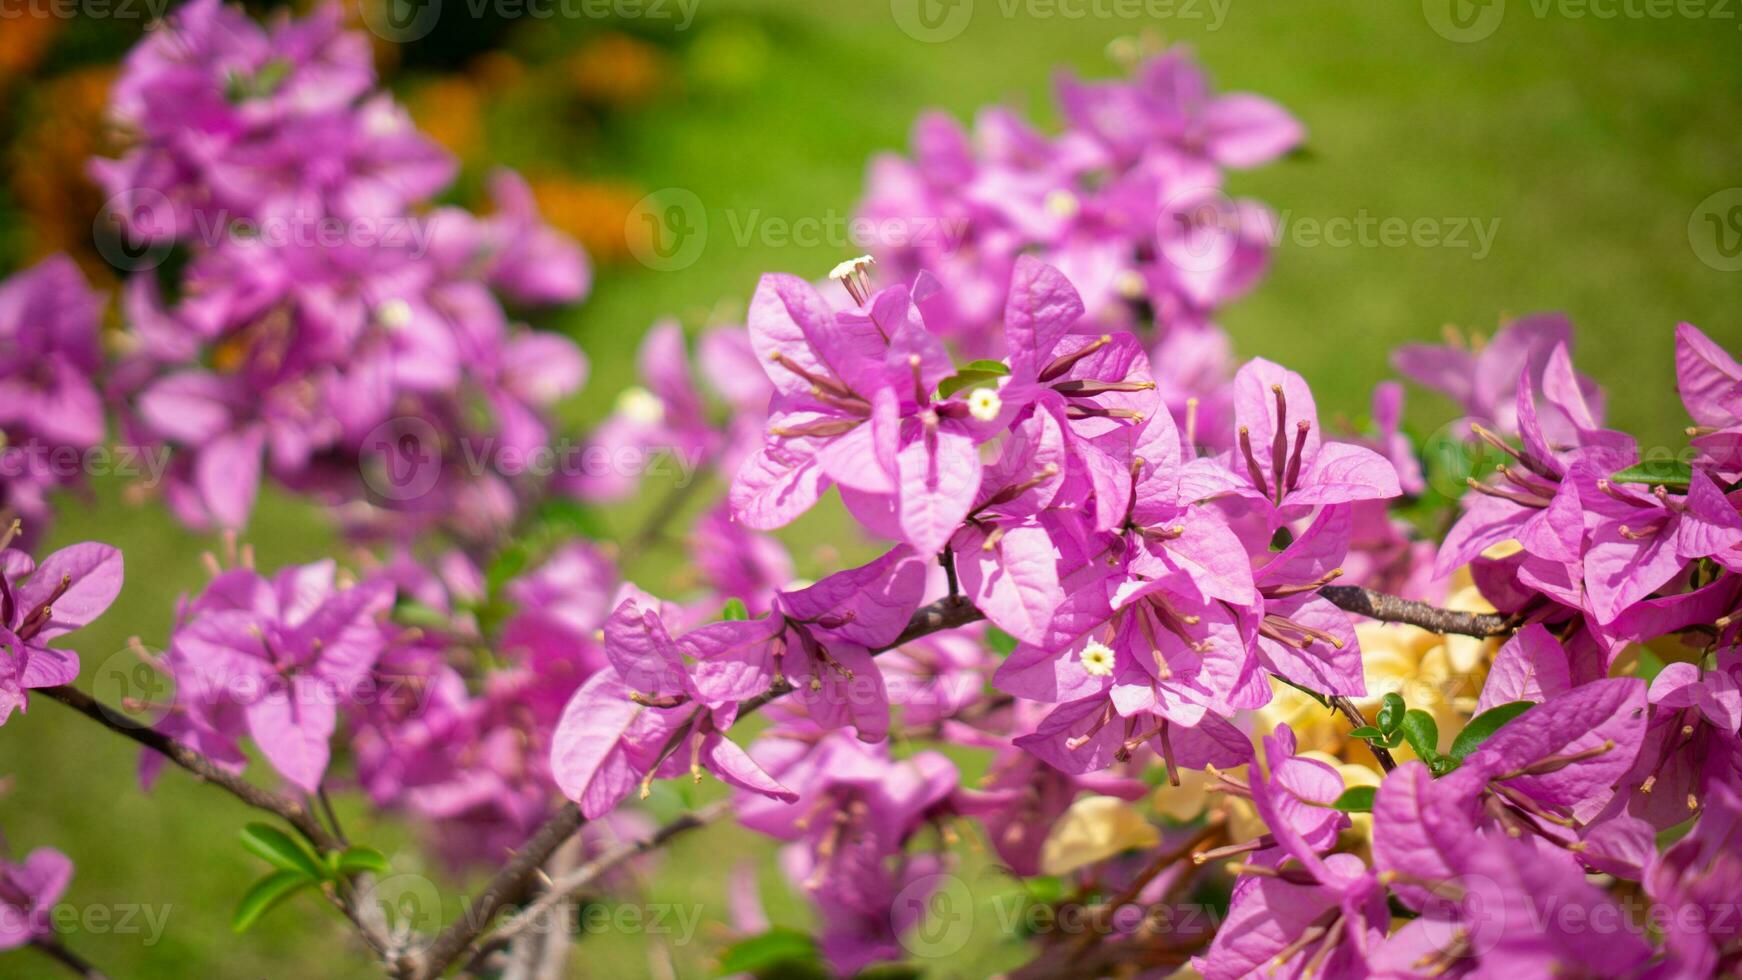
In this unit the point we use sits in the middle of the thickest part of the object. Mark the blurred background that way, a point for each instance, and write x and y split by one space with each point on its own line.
1570 156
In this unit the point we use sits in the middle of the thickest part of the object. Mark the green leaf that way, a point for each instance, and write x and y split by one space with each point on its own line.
966 379
1002 643
276 848
1390 712
1484 725
409 613
986 365
1355 799
1422 732
775 947
564 518
359 860
265 896
1668 472
1367 731
734 610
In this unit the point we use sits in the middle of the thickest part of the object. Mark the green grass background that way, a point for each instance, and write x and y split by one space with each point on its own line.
1591 140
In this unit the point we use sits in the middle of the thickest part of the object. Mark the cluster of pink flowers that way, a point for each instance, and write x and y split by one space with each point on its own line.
1159 553
1127 202
331 329
51 411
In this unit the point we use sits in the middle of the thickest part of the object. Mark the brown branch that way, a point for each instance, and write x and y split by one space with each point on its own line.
1394 609
202 768
567 885
206 771
51 947
508 882
1357 719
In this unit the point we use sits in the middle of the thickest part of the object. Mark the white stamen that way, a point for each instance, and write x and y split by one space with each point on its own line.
1097 659
640 405
1062 203
984 404
847 268
1131 284
395 314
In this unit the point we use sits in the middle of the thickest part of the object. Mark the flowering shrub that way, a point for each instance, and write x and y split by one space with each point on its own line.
1109 568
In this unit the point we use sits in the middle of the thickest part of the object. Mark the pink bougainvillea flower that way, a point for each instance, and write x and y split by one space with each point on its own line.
1536 498
1481 894
288 652
1279 459
1710 383
1485 381
818 639
1302 637
43 602
29 892
1691 750
1640 540
1170 100
1695 882
855 404
1295 908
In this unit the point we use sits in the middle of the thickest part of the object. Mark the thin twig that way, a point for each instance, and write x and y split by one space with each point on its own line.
568 885
202 768
1356 718
664 513
51 947
1395 609
948 560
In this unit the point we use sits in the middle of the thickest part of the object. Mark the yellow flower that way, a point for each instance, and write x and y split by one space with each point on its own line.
1093 829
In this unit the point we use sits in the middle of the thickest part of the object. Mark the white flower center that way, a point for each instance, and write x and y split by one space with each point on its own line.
395 314
984 404
1097 659
640 405
1130 284
1062 203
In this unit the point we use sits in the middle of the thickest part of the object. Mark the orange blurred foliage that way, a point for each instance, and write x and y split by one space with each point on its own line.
617 71
594 212
63 128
